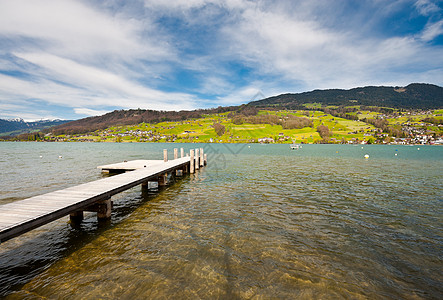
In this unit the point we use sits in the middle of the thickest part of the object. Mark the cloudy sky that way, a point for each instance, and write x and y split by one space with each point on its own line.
71 59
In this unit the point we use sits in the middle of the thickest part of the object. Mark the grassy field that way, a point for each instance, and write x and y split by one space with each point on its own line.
202 130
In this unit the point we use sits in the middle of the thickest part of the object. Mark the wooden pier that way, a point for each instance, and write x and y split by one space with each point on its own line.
22 216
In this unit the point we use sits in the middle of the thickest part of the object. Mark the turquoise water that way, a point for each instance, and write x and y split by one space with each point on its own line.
260 221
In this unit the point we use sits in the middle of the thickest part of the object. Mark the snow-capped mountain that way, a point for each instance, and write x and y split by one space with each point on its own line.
18 125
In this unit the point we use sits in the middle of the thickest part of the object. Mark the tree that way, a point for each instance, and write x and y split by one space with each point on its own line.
237 120
323 131
219 129
293 122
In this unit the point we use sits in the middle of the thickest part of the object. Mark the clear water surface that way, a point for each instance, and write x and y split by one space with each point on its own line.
259 222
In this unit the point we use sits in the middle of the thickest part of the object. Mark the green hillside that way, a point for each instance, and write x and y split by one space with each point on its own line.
368 114
285 126
413 96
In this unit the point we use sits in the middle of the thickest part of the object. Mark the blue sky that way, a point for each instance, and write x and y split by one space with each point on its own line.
72 59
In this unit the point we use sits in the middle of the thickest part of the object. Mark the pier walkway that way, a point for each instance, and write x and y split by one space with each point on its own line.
22 216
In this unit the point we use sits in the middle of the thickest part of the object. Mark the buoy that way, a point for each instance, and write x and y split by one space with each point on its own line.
249 146
366 155
362 147
336 151
418 148
60 157
41 156
395 154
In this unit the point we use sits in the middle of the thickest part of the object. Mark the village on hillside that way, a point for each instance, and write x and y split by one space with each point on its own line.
359 127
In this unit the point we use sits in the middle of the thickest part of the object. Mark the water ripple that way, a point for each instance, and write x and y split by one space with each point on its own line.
267 225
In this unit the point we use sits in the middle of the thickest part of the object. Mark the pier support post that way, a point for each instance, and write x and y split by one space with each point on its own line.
206 159
104 209
175 153
197 159
202 160
145 185
191 162
151 184
76 216
163 179
165 155
182 152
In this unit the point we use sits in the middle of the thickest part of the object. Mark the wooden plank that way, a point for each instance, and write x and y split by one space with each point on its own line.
21 216
34 210
9 217
24 210
3 224
62 197
131 165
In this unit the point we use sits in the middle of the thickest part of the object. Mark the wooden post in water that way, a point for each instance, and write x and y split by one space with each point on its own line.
177 172
22 216
206 159
191 162
185 167
104 209
145 185
145 189
165 155
163 179
202 158
76 216
197 159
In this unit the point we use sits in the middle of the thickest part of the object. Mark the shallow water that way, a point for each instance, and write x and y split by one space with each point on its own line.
260 221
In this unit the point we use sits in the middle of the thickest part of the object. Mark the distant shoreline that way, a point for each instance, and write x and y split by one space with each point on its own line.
239 143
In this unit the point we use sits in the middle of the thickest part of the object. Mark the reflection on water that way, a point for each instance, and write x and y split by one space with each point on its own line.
263 223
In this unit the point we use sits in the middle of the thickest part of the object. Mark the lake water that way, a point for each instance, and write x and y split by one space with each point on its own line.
259 222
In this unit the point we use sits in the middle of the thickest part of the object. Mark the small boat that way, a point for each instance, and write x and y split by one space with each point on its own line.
295 146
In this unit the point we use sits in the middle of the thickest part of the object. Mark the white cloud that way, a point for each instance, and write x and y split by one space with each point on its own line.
294 47
240 96
186 5
124 94
176 4
90 56
94 79
9 111
74 55
215 85
432 31
78 30
426 7
89 112
285 46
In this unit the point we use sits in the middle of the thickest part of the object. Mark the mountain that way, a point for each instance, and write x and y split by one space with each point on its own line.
128 117
19 126
413 96
418 96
